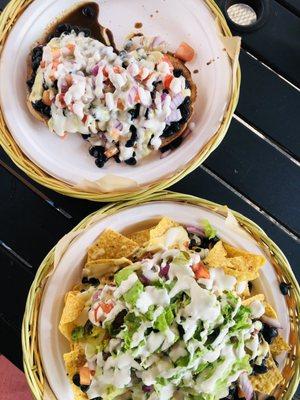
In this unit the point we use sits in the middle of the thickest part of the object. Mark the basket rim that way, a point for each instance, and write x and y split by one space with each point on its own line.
7 19
32 363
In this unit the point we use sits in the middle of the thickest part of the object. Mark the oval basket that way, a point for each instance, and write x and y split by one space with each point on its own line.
7 19
32 362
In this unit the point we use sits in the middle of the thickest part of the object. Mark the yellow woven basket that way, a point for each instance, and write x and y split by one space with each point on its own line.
32 362
7 19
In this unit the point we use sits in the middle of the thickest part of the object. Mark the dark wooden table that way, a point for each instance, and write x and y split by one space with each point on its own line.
254 171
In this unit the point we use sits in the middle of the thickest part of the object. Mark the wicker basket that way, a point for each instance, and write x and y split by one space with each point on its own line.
7 19
32 362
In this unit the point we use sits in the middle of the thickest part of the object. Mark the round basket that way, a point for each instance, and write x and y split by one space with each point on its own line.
7 19
32 362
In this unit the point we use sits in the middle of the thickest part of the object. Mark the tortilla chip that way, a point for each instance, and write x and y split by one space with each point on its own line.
236 262
246 293
266 383
99 268
278 346
257 297
74 305
140 237
162 227
269 311
73 361
111 244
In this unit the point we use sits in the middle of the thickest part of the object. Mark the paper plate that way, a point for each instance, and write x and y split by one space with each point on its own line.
68 160
52 344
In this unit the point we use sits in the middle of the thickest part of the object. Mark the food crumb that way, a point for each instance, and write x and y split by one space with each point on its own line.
210 61
138 25
196 71
156 11
151 15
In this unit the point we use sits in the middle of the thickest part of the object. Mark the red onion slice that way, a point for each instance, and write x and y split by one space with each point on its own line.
163 273
174 116
177 101
95 70
195 230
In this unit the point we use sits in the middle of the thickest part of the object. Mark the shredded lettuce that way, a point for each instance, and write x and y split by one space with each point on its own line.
209 231
133 293
123 274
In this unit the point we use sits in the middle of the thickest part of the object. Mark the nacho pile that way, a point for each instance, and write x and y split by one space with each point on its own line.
168 313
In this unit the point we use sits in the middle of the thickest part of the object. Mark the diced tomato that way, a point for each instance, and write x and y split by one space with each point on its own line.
105 72
85 117
168 61
137 98
167 81
120 105
61 98
200 271
85 376
117 69
185 52
69 79
106 307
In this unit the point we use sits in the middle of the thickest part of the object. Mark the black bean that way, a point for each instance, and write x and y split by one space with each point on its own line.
105 355
147 113
118 322
117 159
260 369
87 32
88 12
284 288
270 398
88 327
180 331
94 281
37 53
84 388
131 161
185 110
49 37
135 112
171 129
187 84
97 398
133 137
30 82
76 380
45 86
63 28
76 29
42 108
269 333
166 91
85 136
177 73
85 280
125 64
250 284
96 151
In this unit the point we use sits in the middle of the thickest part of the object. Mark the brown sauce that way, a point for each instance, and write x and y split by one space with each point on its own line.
86 16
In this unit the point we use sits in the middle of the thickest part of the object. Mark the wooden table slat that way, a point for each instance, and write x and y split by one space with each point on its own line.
292 5
277 42
260 172
277 116
27 224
